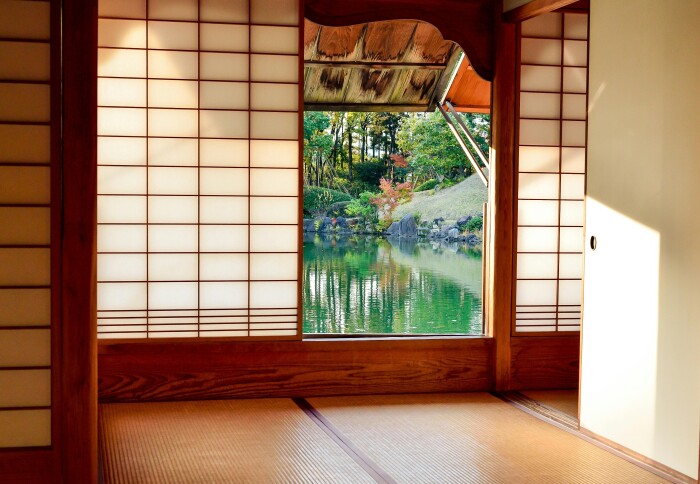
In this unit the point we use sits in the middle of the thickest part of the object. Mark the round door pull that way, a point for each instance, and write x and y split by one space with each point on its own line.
594 242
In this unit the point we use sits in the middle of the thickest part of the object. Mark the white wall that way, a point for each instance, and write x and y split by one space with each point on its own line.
640 363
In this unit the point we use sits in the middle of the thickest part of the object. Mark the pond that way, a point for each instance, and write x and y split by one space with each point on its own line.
373 285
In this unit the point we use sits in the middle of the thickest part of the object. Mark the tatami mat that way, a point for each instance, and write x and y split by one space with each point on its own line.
563 400
469 438
246 441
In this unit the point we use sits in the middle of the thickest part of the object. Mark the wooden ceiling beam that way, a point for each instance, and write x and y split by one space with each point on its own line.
534 8
373 65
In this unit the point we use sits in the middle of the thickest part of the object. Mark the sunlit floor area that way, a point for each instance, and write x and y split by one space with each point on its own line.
472 438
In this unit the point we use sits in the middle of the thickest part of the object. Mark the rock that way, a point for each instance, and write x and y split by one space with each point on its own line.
438 221
464 220
408 227
394 229
338 208
423 231
326 225
341 222
368 229
453 233
309 225
353 221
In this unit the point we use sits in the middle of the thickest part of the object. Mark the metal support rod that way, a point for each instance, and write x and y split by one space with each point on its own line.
468 133
463 145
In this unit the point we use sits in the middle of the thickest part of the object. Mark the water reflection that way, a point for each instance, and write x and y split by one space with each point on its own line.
403 286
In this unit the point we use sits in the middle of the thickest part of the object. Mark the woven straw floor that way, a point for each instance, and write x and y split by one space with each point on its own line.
470 438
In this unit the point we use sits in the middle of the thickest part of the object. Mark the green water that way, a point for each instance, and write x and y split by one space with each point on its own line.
369 285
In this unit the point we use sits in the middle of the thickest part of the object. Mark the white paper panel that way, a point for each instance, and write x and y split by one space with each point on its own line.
274 238
282 154
223 11
25 20
574 106
25 307
223 267
115 296
223 124
172 181
25 267
274 40
575 79
538 105
575 53
172 267
121 92
223 95
273 267
540 51
576 26
172 238
28 61
538 159
570 292
25 347
537 239
223 67
572 186
537 132
25 428
121 238
276 12
274 97
223 238
223 37
276 182
223 152
172 65
172 295
571 266
25 184
536 292
573 160
121 180
172 35
114 209
173 9
266 125
223 181
537 266
538 185
29 388
274 68
273 332
571 239
122 8
25 102
170 210
25 225
547 25
270 210
221 295
121 267
121 151
121 62
172 122
172 94
172 152
273 294
540 78
572 213
223 210
25 143
538 212
121 122
121 33
573 133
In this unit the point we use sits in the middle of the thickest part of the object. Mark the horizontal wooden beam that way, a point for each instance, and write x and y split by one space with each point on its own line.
28 466
160 371
535 8
370 108
375 65
544 362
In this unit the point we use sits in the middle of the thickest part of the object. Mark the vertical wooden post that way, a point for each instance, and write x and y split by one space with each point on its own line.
78 286
501 200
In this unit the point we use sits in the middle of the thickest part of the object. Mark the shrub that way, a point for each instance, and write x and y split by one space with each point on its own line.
318 199
475 224
392 195
362 207
369 172
428 185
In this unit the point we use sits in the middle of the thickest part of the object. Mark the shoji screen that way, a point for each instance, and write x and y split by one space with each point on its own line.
551 172
25 224
198 178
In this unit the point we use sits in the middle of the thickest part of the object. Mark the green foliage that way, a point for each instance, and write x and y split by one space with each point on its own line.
475 224
370 172
429 185
363 207
318 199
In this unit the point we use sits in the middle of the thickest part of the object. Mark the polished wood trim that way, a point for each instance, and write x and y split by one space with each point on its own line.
636 458
212 369
545 362
535 8
469 23
29 466
501 201
78 287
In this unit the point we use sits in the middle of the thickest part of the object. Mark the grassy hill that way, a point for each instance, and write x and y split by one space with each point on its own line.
465 198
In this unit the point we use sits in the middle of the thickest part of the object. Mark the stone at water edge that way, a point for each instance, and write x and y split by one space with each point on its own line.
326 225
394 229
453 233
464 220
309 225
341 222
408 227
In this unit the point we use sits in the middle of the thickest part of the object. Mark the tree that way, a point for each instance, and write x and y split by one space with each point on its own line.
391 196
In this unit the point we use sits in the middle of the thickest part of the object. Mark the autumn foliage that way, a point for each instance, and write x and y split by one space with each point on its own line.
391 197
